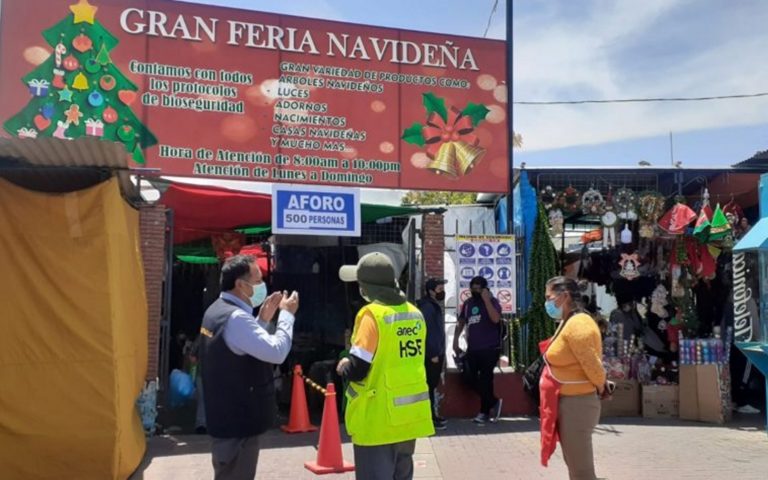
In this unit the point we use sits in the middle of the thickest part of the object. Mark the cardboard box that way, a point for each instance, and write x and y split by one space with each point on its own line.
705 393
625 401
661 401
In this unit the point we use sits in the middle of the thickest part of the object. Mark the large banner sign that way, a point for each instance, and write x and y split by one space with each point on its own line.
195 90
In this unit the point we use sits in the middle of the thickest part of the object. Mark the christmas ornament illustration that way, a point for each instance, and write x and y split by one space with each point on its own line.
448 136
78 91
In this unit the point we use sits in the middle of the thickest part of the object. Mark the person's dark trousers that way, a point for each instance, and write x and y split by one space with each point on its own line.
434 370
385 462
235 458
481 364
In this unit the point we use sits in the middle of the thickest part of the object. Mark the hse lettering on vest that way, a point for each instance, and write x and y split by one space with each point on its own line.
411 348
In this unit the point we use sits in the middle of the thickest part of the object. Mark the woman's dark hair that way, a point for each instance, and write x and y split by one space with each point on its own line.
569 286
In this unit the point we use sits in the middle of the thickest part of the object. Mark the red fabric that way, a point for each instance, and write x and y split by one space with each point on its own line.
261 258
549 390
199 212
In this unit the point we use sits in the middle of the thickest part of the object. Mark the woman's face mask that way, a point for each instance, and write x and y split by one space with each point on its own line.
554 312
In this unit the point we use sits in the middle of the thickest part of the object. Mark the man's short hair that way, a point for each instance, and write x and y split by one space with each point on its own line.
479 281
237 267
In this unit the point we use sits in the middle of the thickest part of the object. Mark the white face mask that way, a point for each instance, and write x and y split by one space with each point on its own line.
259 294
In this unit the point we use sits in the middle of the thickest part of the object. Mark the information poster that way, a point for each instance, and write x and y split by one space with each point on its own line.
491 257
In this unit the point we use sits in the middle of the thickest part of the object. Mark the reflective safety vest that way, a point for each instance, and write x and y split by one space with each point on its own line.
391 404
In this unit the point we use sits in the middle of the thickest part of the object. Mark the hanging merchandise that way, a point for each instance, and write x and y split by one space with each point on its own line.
651 208
626 235
569 200
548 197
659 302
625 204
82 43
733 212
720 227
58 79
675 221
609 221
556 222
629 266
592 202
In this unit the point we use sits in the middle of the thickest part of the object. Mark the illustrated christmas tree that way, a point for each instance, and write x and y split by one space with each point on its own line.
78 91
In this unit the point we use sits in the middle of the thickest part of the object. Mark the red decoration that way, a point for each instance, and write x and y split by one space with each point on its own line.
127 96
107 83
82 43
109 115
227 244
71 63
41 122
437 131
677 219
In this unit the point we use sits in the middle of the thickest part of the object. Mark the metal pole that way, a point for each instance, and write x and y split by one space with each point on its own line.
510 127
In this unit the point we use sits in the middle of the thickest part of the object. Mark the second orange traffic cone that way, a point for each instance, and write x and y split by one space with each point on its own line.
298 422
329 456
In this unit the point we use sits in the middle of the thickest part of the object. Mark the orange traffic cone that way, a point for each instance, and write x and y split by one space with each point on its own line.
329 457
299 419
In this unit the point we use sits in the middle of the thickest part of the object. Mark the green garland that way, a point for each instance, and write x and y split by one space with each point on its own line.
543 266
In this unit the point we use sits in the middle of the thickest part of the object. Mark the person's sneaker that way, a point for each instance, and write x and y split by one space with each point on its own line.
439 425
441 420
481 419
748 410
496 411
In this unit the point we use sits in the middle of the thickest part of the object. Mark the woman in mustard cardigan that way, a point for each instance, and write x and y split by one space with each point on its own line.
575 362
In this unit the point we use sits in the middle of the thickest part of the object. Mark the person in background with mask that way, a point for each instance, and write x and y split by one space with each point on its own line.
434 360
481 316
573 380
237 355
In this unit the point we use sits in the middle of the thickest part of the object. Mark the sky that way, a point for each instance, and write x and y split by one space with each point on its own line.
565 50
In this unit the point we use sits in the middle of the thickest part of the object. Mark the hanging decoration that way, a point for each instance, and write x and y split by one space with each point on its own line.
548 197
626 235
592 202
58 79
227 244
80 82
651 208
94 127
703 222
569 200
71 63
630 265
659 302
556 222
609 220
625 204
720 228
676 220
82 43
39 87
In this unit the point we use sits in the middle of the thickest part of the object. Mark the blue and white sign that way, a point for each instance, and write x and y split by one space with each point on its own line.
313 210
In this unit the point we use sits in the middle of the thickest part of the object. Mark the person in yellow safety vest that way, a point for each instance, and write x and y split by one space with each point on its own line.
388 404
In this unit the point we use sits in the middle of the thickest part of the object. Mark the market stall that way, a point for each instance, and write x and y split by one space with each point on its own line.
653 251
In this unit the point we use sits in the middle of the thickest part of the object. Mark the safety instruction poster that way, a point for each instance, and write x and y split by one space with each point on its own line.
491 257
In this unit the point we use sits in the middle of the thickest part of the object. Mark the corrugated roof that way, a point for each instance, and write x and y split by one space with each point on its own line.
54 152
757 160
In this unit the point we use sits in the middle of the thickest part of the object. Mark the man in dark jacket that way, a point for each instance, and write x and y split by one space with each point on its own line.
238 354
434 360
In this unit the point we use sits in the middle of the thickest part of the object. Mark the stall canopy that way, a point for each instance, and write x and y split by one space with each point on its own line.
202 211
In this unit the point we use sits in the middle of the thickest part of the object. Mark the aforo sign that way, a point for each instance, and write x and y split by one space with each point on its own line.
215 92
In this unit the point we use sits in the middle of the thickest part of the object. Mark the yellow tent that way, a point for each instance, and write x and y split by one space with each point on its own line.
73 334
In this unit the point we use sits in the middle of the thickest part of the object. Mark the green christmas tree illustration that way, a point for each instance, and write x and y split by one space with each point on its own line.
78 91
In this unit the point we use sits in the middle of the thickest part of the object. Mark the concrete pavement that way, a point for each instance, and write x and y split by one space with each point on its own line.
632 448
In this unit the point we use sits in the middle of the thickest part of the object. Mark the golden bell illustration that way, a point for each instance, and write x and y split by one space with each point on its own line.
468 156
445 161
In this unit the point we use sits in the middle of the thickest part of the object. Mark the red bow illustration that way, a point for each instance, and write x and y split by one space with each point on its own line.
438 131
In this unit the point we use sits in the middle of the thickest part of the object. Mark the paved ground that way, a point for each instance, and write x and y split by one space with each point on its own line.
626 449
